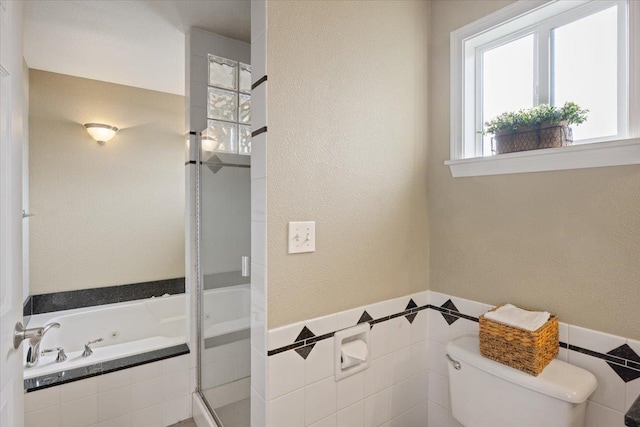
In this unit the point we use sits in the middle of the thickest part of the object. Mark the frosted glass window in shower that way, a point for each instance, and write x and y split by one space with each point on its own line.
244 147
245 78
223 73
220 137
229 100
222 105
244 110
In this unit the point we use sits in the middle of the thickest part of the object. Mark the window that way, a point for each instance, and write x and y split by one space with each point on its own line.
537 52
228 107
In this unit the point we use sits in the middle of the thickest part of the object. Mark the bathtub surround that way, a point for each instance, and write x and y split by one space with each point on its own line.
117 211
154 394
58 301
102 368
562 241
347 99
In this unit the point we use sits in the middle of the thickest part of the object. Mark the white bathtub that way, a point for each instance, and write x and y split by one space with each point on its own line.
134 327
226 310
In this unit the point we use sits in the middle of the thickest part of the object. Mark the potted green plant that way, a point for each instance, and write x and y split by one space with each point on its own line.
543 126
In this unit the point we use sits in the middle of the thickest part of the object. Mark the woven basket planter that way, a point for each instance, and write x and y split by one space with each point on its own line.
527 351
548 135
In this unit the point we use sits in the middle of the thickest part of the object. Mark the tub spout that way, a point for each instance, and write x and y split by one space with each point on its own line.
33 355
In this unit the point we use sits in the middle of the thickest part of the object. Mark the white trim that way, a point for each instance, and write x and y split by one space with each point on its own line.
512 22
633 29
612 153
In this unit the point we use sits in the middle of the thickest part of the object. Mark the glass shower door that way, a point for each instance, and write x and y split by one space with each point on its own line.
224 234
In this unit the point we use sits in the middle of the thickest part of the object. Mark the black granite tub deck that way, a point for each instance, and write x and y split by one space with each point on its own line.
101 368
632 418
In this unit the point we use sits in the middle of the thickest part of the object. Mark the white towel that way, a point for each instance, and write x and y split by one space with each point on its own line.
511 315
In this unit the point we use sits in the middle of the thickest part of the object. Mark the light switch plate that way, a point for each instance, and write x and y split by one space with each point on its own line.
302 237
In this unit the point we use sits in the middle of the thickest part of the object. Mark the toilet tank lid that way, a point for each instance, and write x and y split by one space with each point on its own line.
559 379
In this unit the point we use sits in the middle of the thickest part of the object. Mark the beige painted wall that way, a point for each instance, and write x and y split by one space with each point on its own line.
105 215
347 108
566 241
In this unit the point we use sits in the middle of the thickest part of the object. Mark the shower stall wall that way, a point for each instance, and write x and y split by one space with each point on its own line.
218 112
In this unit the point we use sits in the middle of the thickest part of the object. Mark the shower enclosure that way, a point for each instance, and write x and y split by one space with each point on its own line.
223 239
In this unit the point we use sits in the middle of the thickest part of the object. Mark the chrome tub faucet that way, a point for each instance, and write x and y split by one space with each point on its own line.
34 335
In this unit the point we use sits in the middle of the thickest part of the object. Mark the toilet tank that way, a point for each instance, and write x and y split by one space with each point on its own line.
485 393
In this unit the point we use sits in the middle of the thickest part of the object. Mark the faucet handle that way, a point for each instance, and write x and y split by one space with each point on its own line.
61 354
87 347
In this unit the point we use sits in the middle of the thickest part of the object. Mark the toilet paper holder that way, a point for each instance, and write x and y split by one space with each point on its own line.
357 333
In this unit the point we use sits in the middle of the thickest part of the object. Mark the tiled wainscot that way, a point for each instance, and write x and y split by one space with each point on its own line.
406 384
155 394
610 358
302 390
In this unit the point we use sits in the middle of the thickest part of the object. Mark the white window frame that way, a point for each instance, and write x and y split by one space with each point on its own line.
513 22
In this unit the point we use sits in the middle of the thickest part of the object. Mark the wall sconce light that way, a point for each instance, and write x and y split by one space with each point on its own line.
100 132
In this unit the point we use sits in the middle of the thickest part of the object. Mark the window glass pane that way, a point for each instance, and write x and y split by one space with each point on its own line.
244 110
507 81
223 105
244 140
223 72
245 78
221 137
585 71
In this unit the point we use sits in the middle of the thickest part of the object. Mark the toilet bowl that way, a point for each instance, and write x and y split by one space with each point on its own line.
485 393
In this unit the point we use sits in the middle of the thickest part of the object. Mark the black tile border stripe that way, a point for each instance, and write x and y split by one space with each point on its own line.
257 132
606 357
259 82
58 301
101 368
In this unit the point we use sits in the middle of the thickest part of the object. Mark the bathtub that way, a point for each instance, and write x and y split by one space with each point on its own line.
134 327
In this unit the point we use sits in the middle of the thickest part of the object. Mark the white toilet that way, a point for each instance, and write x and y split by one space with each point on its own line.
485 393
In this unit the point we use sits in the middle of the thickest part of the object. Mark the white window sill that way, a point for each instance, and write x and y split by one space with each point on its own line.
610 153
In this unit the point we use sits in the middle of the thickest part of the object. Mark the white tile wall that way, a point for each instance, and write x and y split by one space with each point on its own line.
152 395
606 406
391 392
259 384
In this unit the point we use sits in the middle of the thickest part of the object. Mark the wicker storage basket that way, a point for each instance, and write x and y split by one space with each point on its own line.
548 135
527 351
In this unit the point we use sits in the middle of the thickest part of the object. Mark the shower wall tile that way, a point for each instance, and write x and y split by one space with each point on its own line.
260 415
258 156
258 21
258 409
259 107
258 57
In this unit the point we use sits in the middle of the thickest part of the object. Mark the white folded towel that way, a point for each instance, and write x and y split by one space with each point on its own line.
511 315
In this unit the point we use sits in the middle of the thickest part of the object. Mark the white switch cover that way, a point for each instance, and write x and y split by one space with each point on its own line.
302 237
